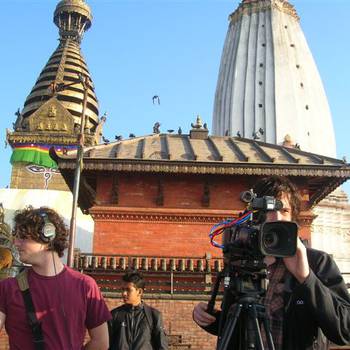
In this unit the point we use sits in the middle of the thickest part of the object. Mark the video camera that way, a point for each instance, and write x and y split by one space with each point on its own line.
255 238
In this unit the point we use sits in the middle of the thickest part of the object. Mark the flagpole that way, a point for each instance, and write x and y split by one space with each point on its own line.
78 170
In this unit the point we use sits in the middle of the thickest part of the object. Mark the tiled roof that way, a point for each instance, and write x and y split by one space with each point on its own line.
199 153
215 151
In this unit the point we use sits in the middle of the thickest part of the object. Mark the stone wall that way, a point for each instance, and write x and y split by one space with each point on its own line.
331 229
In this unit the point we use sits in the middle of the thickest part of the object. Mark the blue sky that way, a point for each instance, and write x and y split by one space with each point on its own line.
139 48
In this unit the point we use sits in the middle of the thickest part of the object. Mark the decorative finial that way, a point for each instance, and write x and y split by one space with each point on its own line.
198 131
73 18
199 123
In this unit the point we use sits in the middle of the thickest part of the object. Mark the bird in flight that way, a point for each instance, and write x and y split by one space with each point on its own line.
155 99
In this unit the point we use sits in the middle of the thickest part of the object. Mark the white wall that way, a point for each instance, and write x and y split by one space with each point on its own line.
61 201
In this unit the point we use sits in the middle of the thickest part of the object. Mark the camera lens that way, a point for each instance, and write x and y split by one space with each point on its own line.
278 238
271 240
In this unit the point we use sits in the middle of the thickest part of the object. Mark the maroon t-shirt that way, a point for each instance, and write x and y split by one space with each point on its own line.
66 305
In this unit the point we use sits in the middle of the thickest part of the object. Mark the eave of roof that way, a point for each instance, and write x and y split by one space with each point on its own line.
193 167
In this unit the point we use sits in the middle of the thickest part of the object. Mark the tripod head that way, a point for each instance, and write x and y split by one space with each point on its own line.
245 278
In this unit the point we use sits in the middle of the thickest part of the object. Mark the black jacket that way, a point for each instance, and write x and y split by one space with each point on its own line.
320 305
136 328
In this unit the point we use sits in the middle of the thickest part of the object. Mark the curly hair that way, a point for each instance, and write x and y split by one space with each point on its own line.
29 222
277 185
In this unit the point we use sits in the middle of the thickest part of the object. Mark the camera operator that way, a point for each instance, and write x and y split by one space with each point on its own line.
306 296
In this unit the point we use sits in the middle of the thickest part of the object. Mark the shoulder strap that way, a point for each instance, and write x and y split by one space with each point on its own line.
34 324
22 280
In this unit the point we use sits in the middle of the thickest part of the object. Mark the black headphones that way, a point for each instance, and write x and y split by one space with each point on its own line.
47 231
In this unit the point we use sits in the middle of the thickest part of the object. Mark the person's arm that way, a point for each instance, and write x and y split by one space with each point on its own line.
325 293
2 320
97 315
98 338
161 338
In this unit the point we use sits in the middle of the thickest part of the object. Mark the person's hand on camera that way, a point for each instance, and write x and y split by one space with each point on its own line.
201 316
298 264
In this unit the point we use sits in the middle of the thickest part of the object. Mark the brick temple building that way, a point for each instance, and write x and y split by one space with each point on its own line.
155 198
160 194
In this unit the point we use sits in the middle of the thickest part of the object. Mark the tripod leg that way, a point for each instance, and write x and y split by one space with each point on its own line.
260 311
267 329
258 334
253 326
232 318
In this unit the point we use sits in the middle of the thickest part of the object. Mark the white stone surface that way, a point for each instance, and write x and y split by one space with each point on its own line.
264 62
61 201
331 229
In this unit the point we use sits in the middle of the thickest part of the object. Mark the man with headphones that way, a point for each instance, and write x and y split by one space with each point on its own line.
50 306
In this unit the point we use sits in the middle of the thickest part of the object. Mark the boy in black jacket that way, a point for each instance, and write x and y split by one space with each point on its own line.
307 301
135 325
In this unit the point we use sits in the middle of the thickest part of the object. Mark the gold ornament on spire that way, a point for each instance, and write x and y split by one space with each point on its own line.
73 18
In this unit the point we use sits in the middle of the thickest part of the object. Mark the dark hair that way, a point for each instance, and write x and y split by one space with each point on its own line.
29 222
277 185
136 278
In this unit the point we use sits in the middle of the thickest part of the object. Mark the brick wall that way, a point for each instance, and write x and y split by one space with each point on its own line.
177 316
179 191
153 238
128 219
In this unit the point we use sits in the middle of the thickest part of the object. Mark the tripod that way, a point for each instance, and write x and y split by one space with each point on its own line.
249 313
242 313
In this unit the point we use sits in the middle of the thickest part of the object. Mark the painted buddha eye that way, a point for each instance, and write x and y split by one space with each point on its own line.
36 168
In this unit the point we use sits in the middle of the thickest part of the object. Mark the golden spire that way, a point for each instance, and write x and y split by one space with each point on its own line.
66 65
